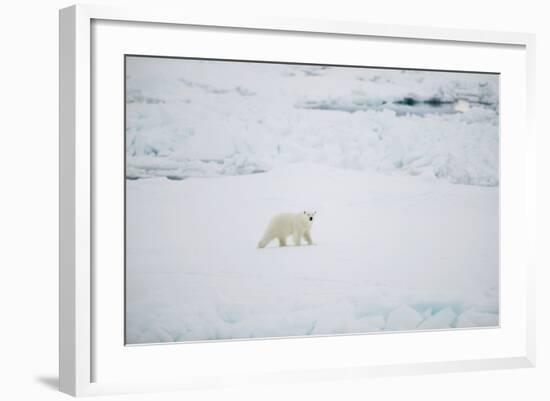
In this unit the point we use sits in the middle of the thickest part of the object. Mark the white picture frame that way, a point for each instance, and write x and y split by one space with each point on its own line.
81 343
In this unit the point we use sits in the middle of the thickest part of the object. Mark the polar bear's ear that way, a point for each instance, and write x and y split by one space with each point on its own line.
314 213
304 212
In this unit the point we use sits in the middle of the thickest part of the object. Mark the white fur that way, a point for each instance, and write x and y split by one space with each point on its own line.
283 225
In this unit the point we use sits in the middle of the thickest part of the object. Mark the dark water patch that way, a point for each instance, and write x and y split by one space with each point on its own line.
176 177
436 102
406 105
408 101
433 101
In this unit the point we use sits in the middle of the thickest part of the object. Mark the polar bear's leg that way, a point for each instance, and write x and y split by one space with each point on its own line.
264 241
297 239
307 237
282 241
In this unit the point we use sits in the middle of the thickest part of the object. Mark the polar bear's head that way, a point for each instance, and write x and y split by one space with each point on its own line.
309 215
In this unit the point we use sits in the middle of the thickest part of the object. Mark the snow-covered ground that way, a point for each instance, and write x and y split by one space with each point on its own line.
390 253
401 167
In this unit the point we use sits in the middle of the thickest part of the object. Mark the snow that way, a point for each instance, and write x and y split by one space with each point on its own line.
401 167
199 118
390 253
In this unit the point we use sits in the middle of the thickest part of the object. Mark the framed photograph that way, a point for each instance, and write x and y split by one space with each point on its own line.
279 200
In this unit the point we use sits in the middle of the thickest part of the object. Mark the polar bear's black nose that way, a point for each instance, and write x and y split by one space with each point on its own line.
311 219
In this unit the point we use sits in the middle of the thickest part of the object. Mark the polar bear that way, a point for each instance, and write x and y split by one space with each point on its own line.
285 224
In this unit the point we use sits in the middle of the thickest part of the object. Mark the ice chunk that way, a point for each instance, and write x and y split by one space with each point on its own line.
403 318
462 106
368 323
335 318
441 320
